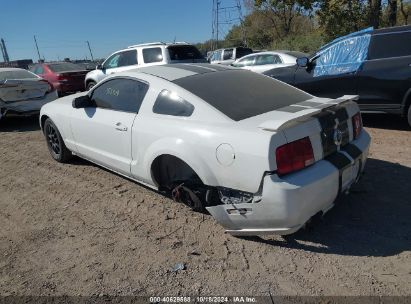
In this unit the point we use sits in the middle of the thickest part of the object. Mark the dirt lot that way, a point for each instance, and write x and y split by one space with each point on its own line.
80 230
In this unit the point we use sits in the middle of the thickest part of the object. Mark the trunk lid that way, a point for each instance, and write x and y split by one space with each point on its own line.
16 90
75 76
298 113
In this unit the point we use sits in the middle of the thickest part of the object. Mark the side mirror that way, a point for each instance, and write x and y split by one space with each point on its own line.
99 67
82 102
303 62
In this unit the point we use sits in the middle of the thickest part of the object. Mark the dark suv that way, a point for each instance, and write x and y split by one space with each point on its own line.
374 64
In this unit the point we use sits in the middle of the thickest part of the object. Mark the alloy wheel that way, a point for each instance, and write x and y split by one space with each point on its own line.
53 139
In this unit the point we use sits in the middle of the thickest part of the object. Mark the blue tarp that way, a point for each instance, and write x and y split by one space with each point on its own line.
343 55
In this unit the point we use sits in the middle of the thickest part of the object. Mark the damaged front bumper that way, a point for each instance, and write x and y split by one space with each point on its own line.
287 203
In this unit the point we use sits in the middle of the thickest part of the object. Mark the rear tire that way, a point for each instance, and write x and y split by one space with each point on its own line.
90 85
55 143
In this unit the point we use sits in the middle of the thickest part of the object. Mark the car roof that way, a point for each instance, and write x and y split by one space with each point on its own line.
152 45
176 71
224 86
11 69
395 29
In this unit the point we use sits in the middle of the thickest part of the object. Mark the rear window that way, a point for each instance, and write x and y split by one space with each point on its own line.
184 52
242 94
228 54
65 66
152 55
19 74
390 45
242 52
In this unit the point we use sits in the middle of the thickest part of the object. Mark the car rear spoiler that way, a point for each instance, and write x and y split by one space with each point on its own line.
302 111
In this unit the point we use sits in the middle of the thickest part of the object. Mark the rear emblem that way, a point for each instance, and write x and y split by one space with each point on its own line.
338 137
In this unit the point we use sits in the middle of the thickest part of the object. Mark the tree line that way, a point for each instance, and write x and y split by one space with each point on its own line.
305 25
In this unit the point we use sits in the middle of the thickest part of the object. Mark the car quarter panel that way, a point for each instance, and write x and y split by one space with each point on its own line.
197 146
195 140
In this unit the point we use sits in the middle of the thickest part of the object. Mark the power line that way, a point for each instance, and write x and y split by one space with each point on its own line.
226 14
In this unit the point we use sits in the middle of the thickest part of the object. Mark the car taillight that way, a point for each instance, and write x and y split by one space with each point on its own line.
62 78
356 125
294 156
49 84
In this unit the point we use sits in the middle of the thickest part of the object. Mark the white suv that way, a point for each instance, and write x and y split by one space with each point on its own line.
135 56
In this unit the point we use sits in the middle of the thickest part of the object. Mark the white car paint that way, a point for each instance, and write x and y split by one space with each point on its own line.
225 154
258 62
106 69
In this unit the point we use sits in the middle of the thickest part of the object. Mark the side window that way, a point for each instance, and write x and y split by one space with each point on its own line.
38 70
267 59
216 56
169 103
343 57
152 55
120 94
128 58
245 62
228 54
112 62
390 45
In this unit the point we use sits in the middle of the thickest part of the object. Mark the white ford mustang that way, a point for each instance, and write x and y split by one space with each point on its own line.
261 156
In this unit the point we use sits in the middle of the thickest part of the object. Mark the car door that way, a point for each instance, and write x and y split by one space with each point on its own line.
103 133
385 77
332 71
120 61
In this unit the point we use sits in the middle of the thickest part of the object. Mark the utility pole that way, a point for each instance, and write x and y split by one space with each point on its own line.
37 47
89 48
4 50
218 9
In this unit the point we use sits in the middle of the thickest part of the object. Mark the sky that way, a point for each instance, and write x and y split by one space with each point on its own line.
62 27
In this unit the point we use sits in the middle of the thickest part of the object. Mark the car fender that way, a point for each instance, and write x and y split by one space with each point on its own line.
58 111
183 150
95 75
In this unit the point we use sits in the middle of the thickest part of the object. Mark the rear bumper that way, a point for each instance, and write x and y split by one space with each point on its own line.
288 203
30 105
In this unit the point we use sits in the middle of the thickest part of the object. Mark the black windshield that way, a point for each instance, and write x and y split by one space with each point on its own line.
65 67
184 52
242 94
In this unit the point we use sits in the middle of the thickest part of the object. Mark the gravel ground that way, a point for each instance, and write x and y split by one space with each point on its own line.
78 229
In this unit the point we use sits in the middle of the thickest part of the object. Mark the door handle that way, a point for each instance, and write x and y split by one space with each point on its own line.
120 127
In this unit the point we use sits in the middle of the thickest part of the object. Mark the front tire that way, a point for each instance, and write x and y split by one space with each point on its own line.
55 143
90 85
